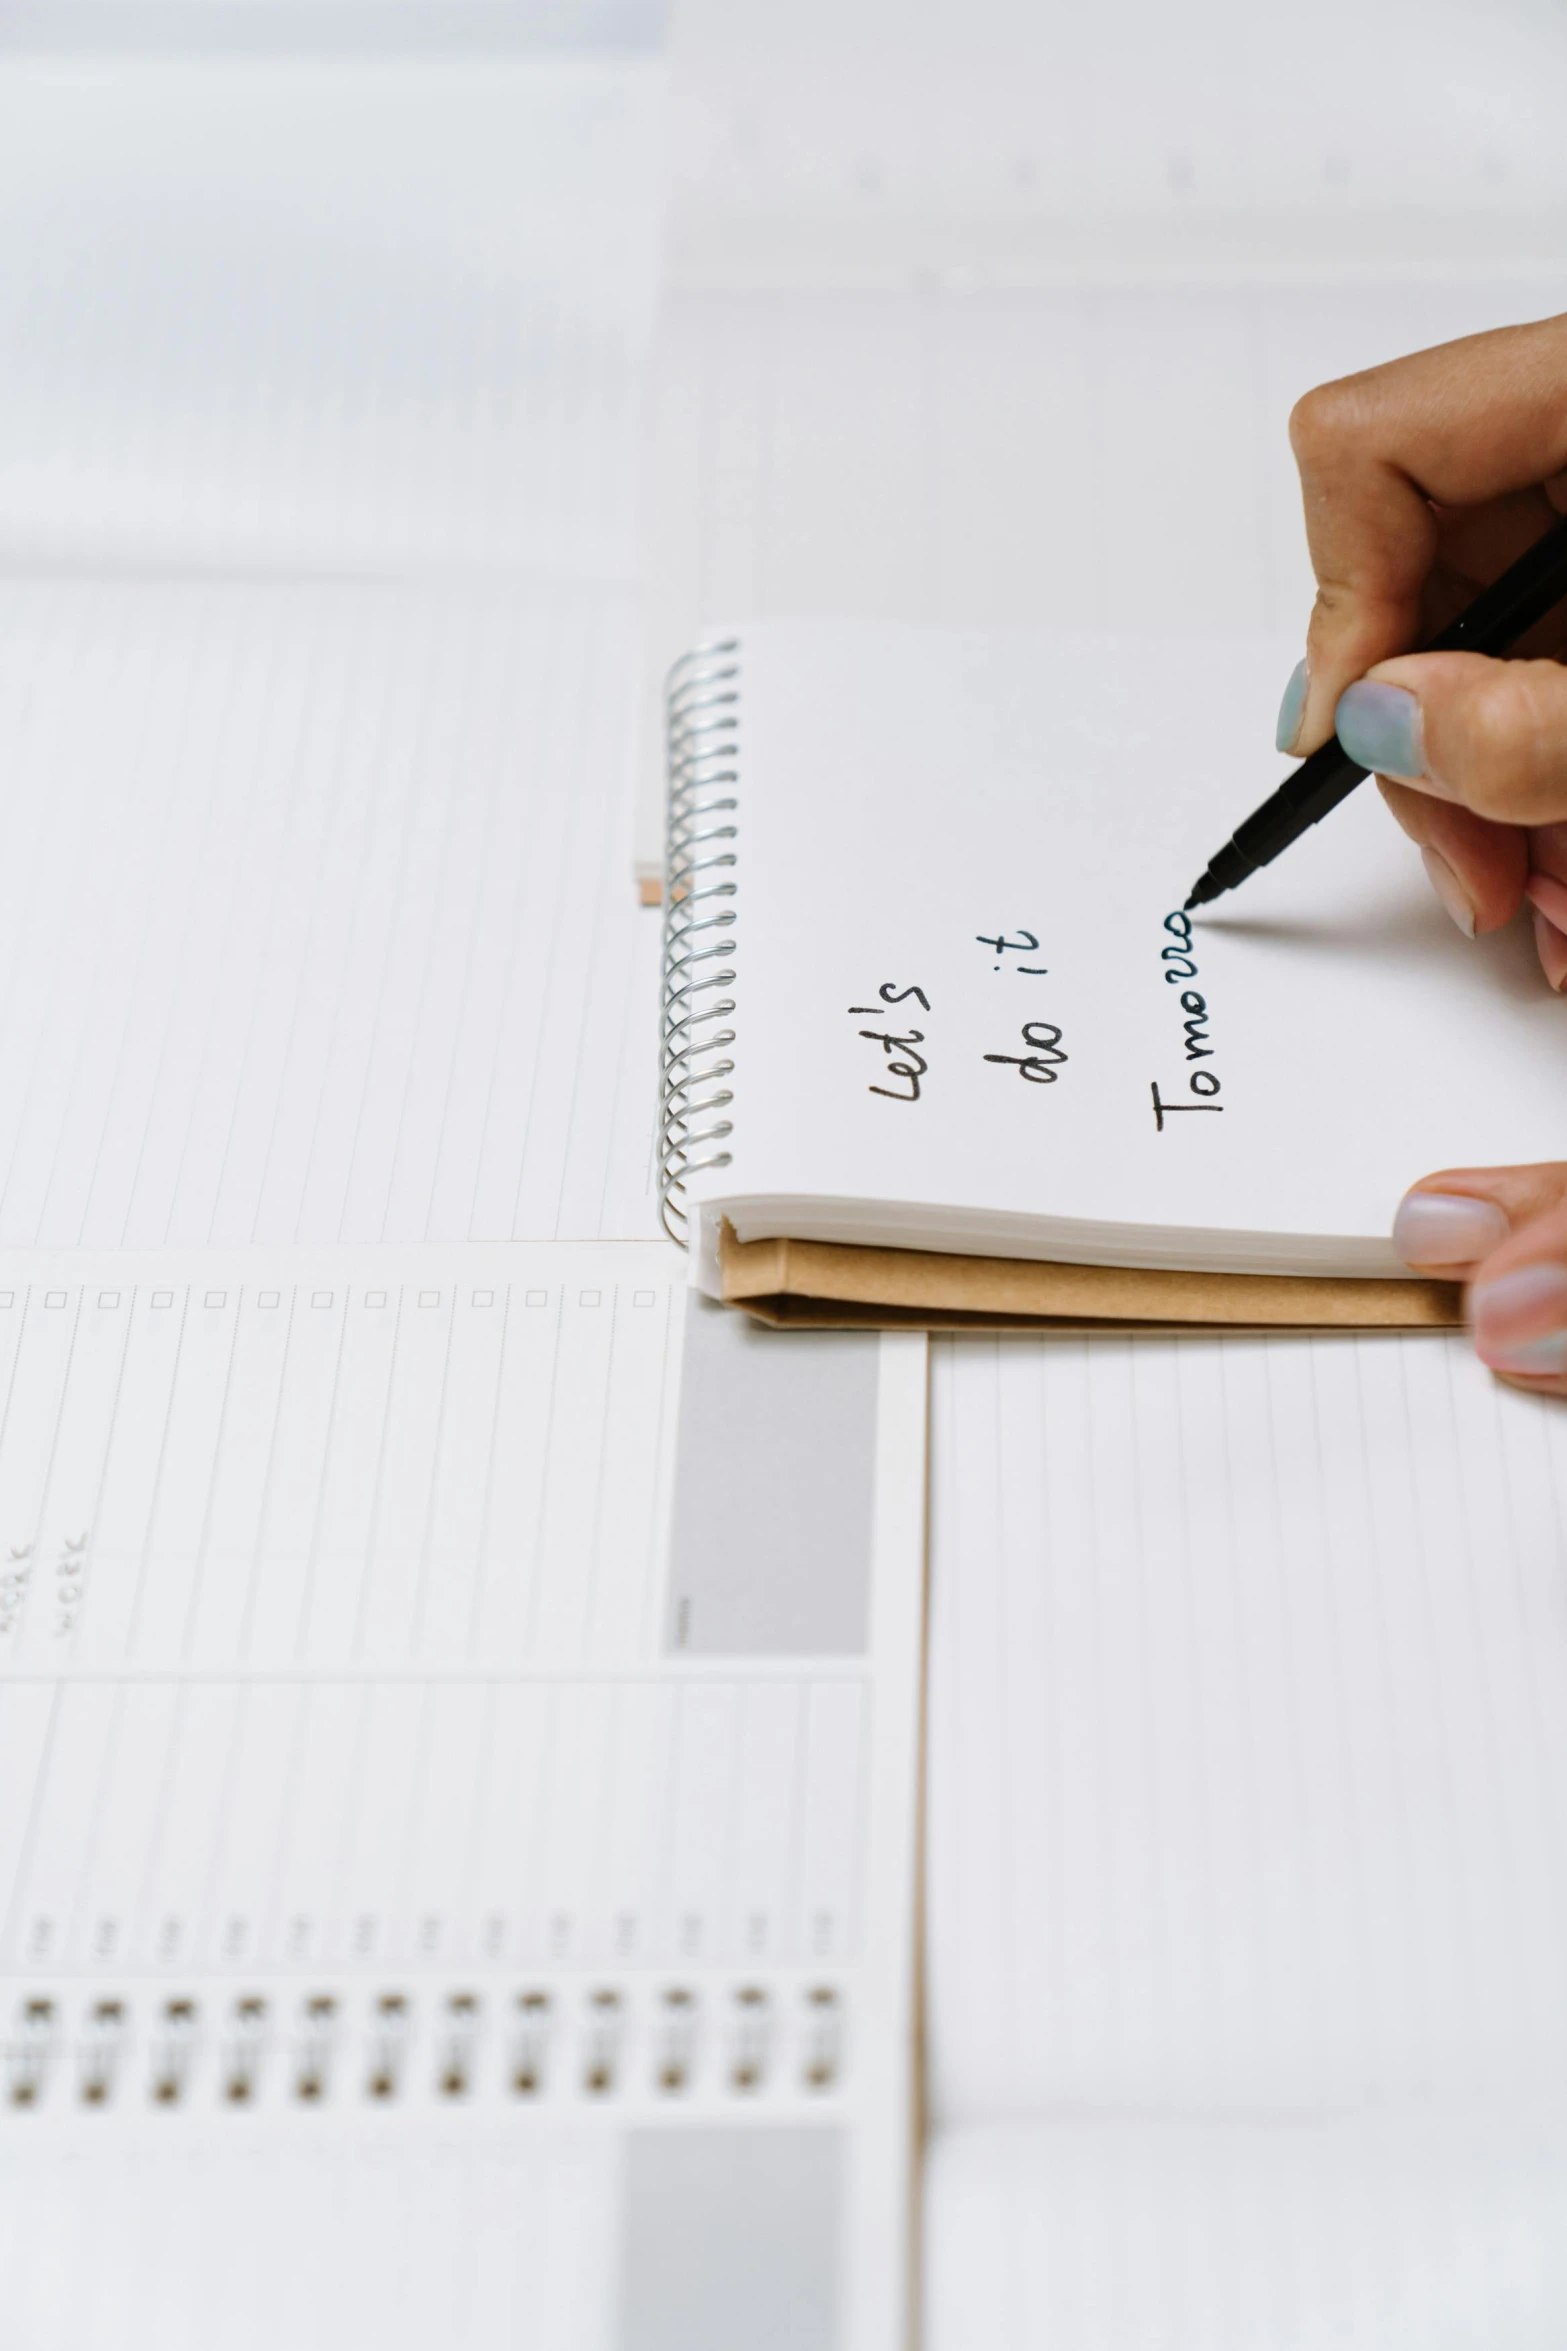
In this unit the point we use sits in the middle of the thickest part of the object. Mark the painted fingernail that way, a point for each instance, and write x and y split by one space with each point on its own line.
1551 947
1450 890
1550 895
1290 708
1380 727
1446 1228
1520 1319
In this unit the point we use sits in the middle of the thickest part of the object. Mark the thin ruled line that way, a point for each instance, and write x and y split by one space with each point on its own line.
399 1898
1348 1835
377 1494
659 1520
201 1911
62 1404
105 1456
451 877
133 1624
277 885
212 1467
396 896
433 1496
253 1569
583 813
502 723
547 838
340 1918
1297 1746
583 1062
283 1870
145 886
218 980
1397 1777
1453 1893
537 1563
93 875
99 1802
587 1625
153 1866
23 1870
313 1553
196 866
335 687
466 1883
355 882
478 1603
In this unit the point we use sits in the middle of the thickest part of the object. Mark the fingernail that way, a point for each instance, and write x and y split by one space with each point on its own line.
1290 708
1551 947
1550 895
1380 727
1451 890
1446 1228
1520 1319
1540 1356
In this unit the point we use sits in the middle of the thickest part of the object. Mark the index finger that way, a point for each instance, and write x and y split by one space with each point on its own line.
1380 452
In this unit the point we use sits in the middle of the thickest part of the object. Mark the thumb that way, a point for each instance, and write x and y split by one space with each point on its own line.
1488 735
1505 1229
1453 1223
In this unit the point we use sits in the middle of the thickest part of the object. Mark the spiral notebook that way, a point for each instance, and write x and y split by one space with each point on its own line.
941 1047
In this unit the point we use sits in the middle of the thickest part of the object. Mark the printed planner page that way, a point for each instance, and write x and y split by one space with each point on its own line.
413 1727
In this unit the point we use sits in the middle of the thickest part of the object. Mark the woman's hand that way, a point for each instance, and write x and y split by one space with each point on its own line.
1422 481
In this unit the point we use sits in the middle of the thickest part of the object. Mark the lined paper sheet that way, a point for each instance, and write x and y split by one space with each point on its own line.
1252 1660
1247 1862
320 928
1342 2233
345 314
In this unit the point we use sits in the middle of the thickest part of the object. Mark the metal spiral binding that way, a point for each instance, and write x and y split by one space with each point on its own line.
703 698
414 2045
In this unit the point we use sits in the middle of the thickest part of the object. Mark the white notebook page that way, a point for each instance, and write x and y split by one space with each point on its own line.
969 1012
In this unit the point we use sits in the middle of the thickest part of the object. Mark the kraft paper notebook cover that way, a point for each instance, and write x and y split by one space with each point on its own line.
933 1014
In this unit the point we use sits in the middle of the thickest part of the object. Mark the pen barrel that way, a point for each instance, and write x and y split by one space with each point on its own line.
1501 613
1316 787
1492 624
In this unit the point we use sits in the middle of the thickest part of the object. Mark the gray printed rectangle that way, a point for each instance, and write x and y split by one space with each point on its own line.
774 1506
732 2237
